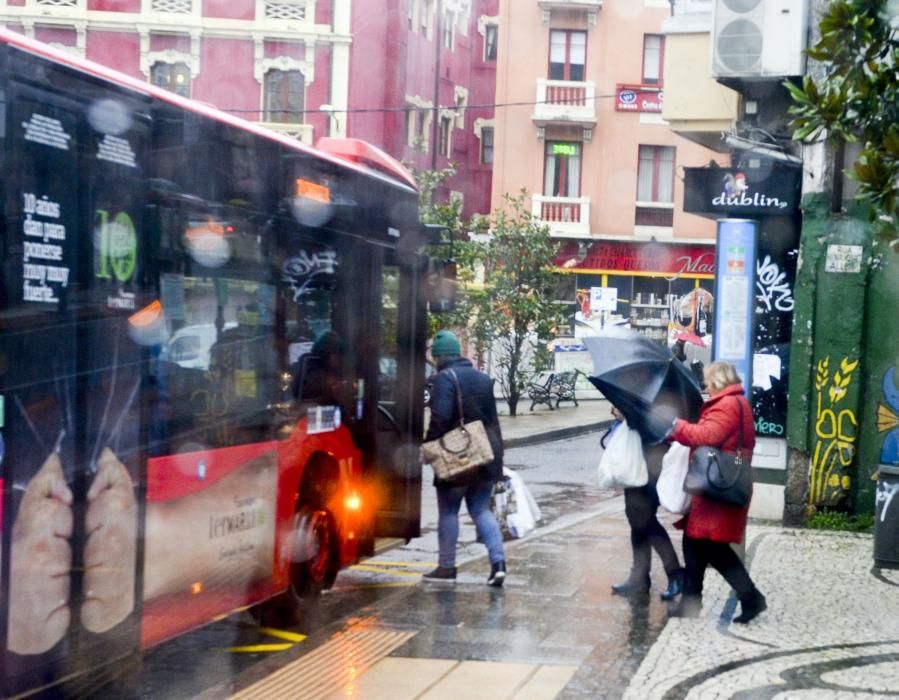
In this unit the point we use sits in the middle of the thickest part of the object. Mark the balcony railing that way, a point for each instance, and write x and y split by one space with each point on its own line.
565 101
693 7
565 216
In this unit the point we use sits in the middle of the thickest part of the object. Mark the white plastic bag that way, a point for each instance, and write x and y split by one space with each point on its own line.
670 485
514 506
623 464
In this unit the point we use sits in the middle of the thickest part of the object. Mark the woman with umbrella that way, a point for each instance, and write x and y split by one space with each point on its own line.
710 527
647 387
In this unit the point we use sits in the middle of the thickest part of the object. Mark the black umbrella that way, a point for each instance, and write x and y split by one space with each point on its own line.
644 381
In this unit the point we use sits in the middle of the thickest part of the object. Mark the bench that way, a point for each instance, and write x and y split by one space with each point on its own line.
563 385
540 390
553 388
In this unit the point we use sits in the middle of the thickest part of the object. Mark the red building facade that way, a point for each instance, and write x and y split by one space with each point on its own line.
308 67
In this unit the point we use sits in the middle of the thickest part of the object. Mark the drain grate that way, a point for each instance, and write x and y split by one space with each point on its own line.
332 667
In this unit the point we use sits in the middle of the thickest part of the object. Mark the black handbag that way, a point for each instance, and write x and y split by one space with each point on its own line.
721 476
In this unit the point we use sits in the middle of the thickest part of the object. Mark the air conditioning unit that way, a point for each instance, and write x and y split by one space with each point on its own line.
758 39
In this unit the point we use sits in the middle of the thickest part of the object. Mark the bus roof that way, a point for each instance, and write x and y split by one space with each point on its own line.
350 157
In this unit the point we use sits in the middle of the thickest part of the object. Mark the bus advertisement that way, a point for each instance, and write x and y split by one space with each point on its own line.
211 364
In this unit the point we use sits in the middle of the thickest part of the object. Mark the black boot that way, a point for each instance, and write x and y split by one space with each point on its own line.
497 574
751 605
689 606
634 586
675 586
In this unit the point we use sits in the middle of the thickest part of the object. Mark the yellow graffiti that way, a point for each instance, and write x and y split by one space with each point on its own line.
836 430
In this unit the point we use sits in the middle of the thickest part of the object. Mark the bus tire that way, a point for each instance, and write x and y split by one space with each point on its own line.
314 552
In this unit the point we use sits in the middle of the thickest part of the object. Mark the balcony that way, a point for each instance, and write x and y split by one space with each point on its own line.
565 216
301 132
591 7
566 102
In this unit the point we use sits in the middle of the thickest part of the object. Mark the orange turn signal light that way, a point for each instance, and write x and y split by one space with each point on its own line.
352 502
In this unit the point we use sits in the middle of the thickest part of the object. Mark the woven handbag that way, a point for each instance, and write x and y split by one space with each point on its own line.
459 453
721 476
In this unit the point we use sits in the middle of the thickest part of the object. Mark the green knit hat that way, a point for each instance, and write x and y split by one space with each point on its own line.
445 343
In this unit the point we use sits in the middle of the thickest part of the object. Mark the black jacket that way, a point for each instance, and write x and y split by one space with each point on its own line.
478 403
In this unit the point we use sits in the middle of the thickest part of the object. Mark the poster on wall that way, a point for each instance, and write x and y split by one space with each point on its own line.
736 252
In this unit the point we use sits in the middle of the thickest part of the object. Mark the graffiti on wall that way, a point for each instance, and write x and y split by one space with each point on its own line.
773 286
888 419
836 430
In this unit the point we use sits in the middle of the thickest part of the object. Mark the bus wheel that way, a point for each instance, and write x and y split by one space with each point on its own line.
314 552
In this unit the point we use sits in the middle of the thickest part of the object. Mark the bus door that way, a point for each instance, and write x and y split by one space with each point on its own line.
400 395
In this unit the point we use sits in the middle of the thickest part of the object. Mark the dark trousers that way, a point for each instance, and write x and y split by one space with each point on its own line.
698 554
647 533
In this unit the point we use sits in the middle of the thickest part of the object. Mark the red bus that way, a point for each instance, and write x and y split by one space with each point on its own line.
212 344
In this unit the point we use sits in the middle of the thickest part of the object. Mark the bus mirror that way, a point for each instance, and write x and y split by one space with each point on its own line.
443 284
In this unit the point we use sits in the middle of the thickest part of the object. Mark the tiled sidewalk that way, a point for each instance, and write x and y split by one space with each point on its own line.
831 630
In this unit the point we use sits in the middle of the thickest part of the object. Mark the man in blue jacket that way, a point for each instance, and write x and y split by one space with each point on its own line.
478 403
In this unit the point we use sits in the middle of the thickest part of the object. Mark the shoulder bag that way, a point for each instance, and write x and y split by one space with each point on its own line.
459 453
721 476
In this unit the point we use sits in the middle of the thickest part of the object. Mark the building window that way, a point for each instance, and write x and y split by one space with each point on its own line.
562 169
417 127
567 55
411 14
653 58
446 129
655 186
491 37
426 17
285 96
487 145
174 77
449 27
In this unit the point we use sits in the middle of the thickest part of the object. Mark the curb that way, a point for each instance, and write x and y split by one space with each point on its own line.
558 434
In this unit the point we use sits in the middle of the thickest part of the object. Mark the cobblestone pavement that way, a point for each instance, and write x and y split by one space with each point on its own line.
831 630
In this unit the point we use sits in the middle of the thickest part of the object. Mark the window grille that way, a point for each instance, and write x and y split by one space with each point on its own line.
179 7
58 3
285 9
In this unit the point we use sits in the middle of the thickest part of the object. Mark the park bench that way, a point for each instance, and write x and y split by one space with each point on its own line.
553 388
540 390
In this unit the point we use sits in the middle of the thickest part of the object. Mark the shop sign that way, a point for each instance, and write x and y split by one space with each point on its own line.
640 258
746 192
638 98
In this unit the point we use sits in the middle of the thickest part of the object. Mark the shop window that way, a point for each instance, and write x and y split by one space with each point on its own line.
285 96
562 169
653 58
174 77
491 37
567 55
487 145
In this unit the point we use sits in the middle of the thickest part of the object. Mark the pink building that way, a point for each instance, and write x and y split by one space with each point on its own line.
584 134
398 102
308 67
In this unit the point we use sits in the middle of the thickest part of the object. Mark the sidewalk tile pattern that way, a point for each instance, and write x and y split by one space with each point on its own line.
831 630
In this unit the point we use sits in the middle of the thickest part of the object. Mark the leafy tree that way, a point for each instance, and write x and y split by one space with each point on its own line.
509 294
857 99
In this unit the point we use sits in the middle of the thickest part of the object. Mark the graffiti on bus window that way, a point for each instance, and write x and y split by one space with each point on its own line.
836 431
306 271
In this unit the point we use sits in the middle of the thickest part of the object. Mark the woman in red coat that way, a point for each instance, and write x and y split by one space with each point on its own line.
710 527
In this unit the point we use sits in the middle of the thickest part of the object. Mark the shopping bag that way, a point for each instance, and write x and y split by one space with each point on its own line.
670 485
515 508
622 464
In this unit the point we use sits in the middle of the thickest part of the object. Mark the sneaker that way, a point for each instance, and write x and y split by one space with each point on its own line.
441 573
497 574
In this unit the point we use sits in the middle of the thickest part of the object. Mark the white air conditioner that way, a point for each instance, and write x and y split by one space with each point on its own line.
756 39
